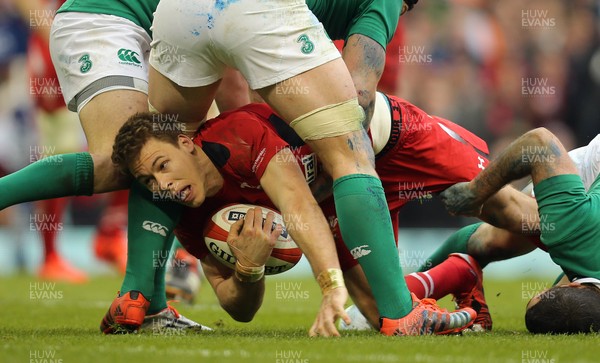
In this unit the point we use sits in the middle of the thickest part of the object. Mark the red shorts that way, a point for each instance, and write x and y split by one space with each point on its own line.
424 156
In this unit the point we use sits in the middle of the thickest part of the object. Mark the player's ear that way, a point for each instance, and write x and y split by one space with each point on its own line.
186 143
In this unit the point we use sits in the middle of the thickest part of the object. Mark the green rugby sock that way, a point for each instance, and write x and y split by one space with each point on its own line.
52 177
159 295
456 243
149 238
366 227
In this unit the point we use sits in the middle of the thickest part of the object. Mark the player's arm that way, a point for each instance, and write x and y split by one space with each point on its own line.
308 227
240 300
537 153
241 292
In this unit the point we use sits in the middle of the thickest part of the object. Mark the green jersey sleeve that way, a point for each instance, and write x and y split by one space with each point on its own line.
139 12
376 19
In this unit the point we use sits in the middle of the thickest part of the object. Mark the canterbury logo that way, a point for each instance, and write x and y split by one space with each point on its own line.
128 55
360 251
155 227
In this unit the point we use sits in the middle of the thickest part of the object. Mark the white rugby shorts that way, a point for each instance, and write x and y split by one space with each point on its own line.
95 53
268 41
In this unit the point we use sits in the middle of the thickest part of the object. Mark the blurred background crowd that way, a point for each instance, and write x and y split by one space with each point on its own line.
498 68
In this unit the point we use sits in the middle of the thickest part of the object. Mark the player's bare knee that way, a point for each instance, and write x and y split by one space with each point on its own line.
107 176
366 100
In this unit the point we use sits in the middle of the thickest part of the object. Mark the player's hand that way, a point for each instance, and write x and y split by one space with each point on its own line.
332 308
460 199
250 240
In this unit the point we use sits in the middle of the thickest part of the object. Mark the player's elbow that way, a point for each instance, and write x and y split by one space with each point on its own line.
540 136
242 311
242 315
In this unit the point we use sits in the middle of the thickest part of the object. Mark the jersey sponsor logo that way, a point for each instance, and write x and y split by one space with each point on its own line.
309 163
259 159
307 45
155 228
234 216
86 63
360 251
128 56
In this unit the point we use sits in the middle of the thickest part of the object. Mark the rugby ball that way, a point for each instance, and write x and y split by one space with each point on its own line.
284 256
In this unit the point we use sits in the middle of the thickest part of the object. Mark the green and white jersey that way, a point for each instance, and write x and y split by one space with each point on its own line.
587 161
138 11
376 19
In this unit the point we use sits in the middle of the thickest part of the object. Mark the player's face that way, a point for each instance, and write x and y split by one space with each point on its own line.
177 172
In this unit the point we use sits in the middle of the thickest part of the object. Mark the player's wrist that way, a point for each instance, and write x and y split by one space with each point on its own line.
248 274
331 279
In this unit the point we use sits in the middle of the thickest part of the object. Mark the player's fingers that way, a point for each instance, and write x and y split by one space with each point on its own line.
258 218
249 219
329 329
235 229
312 332
344 316
276 232
268 223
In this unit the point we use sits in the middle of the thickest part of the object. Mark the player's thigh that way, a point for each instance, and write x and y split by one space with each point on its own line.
489 243
324 85
190 104
101 119
103 116
511 209
233 91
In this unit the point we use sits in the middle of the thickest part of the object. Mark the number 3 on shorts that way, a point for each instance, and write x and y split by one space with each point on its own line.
86 63
307 45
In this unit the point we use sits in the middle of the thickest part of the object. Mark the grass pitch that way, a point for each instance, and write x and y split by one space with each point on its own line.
58 323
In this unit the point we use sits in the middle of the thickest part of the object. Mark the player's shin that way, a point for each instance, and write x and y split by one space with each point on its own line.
50 177
149 235
367 231
159 296
456 243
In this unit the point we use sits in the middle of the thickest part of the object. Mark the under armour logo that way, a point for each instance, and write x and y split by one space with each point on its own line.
481 161
155 228
360 251
246 185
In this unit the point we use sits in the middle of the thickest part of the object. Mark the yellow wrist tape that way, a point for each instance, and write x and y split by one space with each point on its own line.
248 274
330 279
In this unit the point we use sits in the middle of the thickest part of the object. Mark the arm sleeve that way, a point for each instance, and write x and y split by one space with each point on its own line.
377 20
